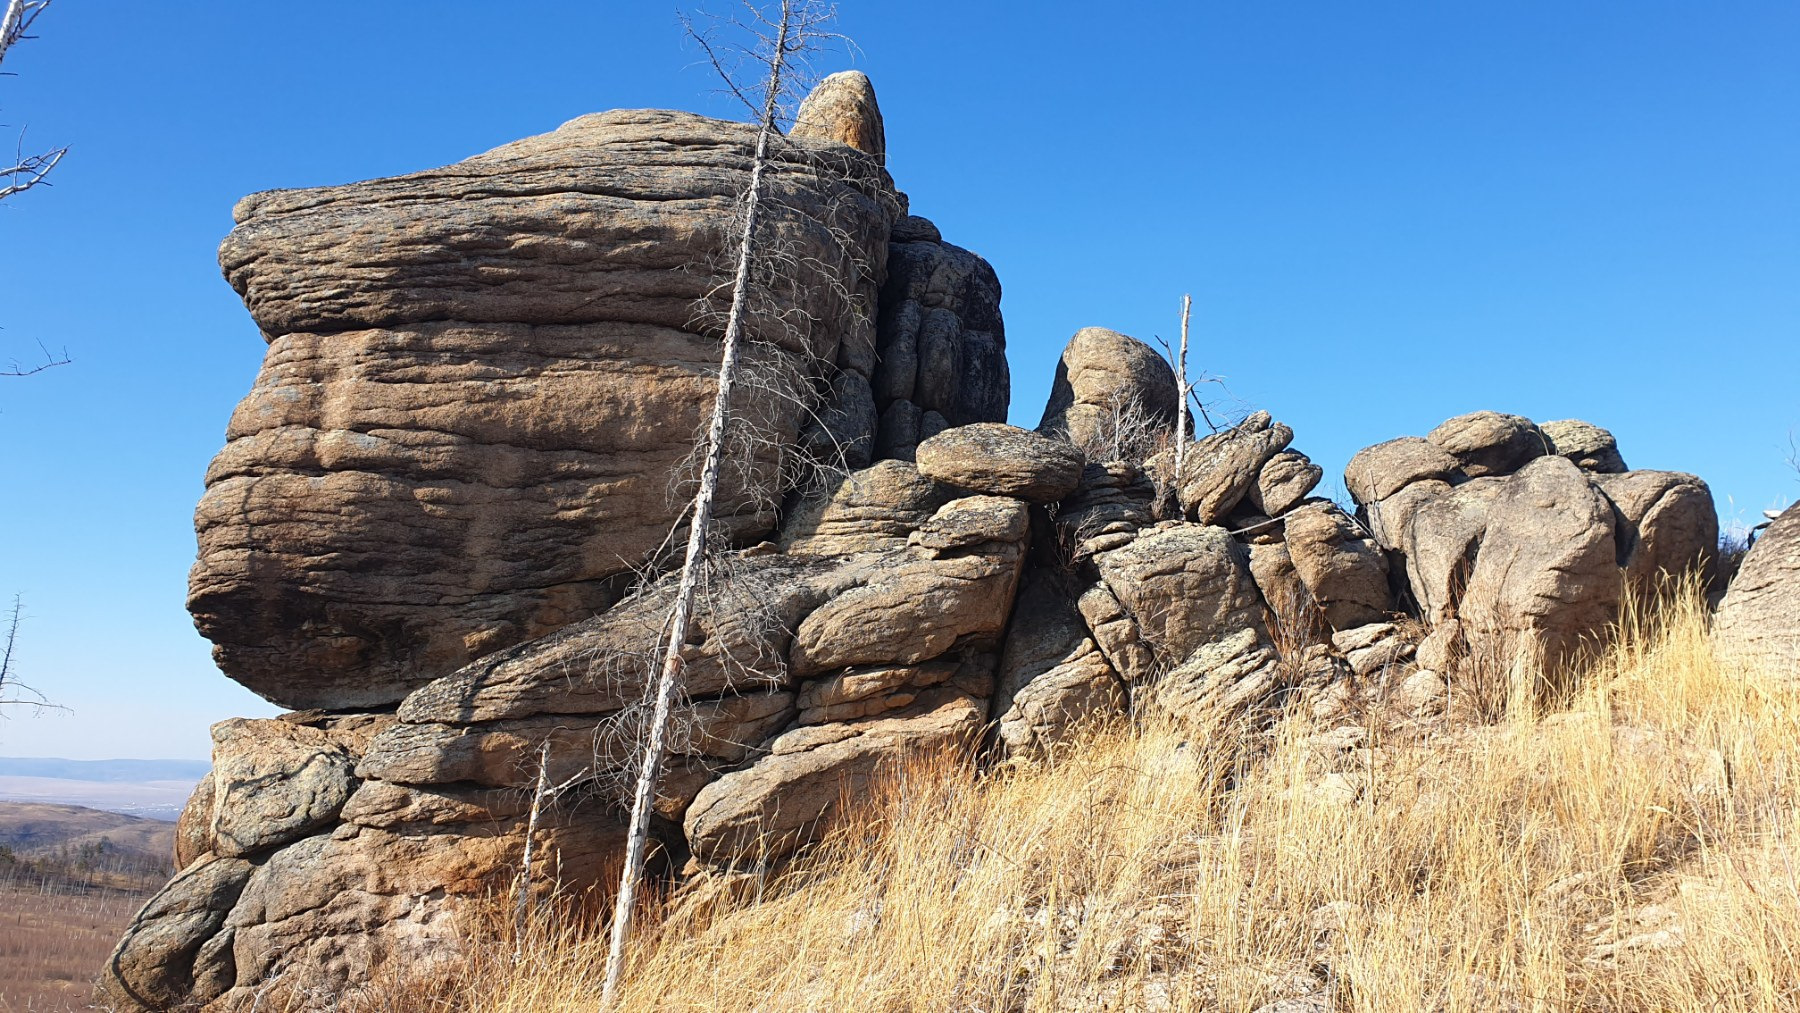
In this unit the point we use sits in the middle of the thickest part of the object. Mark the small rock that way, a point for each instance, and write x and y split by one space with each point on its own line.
1490 443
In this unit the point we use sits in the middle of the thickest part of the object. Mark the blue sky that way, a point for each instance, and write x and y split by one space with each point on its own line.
1387 214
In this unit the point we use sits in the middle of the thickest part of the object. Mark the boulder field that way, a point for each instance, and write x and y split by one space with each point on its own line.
436 530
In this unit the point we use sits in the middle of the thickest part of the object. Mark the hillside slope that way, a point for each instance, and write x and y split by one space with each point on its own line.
1630 846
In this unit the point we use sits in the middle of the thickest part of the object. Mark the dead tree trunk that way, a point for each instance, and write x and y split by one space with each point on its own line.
700 525
1181 390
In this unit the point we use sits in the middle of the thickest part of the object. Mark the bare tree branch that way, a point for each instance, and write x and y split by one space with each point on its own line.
26 171
14 693
51 361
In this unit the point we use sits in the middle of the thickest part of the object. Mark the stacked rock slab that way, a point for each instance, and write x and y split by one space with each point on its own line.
481 387
481 379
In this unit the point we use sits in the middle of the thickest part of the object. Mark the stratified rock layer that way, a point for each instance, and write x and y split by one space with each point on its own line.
480 386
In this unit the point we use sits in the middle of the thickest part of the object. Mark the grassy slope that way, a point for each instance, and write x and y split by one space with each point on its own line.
1631 849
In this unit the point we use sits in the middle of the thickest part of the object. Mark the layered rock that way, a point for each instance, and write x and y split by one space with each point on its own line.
466 425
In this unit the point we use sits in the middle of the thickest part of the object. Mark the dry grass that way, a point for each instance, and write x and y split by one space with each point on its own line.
1634 850
53 941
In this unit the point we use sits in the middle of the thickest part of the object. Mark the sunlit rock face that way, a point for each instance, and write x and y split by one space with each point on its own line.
483 381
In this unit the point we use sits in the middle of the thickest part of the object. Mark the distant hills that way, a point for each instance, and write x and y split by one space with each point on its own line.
75 845
155 789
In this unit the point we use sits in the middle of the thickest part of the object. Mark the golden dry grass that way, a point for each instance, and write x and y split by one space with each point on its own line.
1632 848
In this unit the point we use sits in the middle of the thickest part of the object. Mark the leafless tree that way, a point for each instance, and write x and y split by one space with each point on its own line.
1182 388
14 693
26 171
780 38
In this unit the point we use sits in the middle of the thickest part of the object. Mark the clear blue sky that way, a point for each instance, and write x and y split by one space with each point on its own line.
1388 213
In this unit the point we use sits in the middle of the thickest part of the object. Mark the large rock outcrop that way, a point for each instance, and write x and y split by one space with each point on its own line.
479 384
434 522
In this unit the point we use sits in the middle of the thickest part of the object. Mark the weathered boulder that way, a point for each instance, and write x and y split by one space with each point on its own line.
1380 471
992 457
917 608
1218 471
1667 527
1343 569
1373 648
766 810
1759 619
273 781
1285 480
842 108
1387 519
1219 680
1589 446
172 954
1183 586
1112 396
334 911
463 427
1525 563
1489 443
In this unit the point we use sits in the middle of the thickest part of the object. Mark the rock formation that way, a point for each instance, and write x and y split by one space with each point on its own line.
1759 619
434 532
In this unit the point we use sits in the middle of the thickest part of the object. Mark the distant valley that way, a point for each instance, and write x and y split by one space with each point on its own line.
153 789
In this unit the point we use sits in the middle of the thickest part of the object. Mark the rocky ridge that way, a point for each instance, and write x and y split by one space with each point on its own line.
435 526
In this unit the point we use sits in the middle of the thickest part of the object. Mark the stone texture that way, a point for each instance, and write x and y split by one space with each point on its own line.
1522 563
1220 679
777 804
1052 677
871 510
941 342
1343 569
169 955
273 782
1218 471
842 108
1184 586
1759 619
462 428
1489 443
1589 446
1285 480
1111 395
603 664
1378 472
1387 519
917 608
1667 527
1003 460
1112 503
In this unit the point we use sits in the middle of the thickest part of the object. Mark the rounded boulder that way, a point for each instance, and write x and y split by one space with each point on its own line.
1002 460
